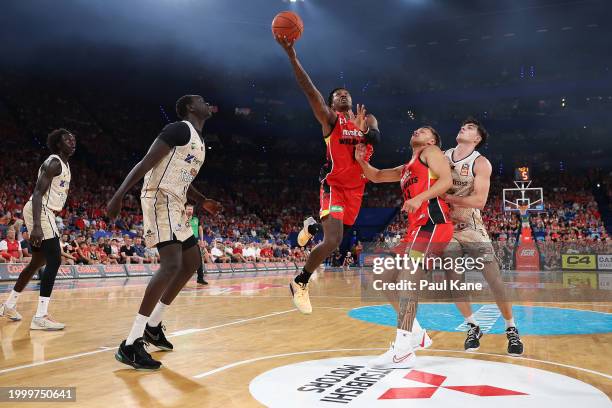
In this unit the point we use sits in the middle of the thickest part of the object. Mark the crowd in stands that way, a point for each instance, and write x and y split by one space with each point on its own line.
266 192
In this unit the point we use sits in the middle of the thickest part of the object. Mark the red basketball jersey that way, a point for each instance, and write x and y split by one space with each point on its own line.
416 178
341 169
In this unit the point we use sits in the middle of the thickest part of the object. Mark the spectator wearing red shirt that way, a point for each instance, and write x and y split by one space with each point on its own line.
10 249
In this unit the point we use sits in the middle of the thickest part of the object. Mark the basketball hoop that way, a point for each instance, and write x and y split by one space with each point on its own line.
523 209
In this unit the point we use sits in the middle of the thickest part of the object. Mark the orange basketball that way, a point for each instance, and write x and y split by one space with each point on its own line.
287 24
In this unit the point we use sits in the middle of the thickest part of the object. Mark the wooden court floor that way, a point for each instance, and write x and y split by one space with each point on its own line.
231 331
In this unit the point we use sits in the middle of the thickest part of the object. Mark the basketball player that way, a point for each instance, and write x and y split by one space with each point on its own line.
342 181
198 232
168 168
423 180
471 173
48 198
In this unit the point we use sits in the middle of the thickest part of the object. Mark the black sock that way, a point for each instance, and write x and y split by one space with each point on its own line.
303 276
314 229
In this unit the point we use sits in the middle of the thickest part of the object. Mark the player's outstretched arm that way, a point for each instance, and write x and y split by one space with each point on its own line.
158 150
482 182
50 169
322 112
438 164
372 173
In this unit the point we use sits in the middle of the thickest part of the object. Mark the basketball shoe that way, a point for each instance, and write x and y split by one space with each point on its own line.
9 312
421 340
515 345
301 299
398 356
472 342
136 356
45 323
156 337
304 236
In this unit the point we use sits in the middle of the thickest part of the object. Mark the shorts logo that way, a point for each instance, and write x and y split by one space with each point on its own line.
465 169
336 208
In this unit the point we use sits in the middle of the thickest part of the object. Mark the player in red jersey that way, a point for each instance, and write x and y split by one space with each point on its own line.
342 180
423 180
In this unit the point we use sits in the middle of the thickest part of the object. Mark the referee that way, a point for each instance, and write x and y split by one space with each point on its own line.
198 232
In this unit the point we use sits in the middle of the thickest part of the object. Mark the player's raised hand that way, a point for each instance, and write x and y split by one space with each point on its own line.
360 119
287 45
360 152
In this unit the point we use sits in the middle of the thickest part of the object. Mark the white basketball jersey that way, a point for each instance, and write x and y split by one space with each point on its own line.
55 197
463 185
175 172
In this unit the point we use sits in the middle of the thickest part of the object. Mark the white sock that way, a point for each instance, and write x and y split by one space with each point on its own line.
137 329
156 316
416 327
43 305
12 299
402 339
470 319
510 323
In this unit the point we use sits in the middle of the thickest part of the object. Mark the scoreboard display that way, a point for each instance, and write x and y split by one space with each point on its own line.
522 174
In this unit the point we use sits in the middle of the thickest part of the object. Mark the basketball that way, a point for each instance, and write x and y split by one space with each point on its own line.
287 24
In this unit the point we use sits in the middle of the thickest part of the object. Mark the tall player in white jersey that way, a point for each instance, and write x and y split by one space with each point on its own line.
171 164
471 173
48 198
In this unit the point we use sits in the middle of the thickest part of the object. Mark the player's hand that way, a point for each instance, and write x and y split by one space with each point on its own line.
412 205
287 45
360 119
360 152
36 236
114 207
212 206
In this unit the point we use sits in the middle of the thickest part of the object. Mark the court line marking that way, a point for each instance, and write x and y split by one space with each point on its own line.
104 349
252 360
514 304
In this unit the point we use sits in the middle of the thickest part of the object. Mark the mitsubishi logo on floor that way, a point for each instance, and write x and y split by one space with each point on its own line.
435 382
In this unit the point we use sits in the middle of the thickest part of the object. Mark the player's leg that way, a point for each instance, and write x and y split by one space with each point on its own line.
492 275
154 330
421 242
420 338
8 308
53 255
401 353
200 270
332 236
132 351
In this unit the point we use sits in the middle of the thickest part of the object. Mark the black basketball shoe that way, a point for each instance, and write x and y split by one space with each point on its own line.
156 337
515 345
472 342
136 356
202 281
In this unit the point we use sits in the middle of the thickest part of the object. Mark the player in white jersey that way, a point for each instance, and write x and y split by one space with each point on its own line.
171 164
471 173
48 198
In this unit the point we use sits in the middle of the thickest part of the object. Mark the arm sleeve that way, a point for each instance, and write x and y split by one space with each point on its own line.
175 134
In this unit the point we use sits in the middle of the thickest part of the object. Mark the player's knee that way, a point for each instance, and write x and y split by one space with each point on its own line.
332 240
